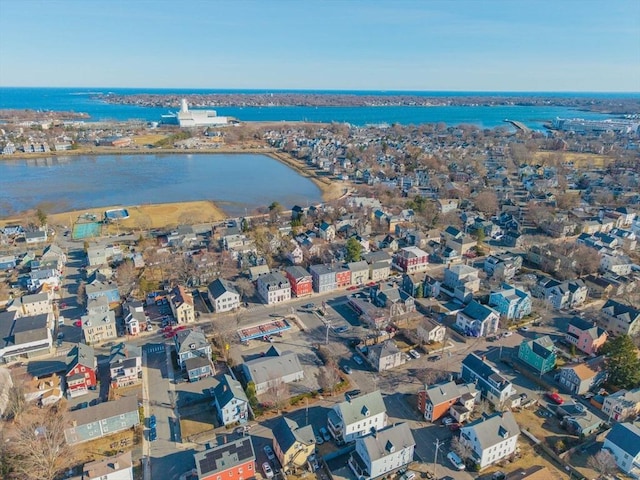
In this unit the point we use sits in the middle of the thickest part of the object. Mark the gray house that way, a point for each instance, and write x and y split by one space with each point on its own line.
385 356
582 377
230 401
273 367
191 343
323 277
359 272
102 420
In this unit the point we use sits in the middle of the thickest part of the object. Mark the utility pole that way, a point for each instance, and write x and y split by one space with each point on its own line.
326 341
435 457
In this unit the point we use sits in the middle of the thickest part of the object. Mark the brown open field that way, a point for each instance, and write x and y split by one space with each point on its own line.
195 420
580 160
149 138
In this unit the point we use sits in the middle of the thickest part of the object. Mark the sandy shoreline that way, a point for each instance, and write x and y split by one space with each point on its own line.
171 214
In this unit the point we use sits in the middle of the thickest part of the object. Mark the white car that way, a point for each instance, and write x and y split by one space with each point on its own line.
414 354
507 334
268 471
455 460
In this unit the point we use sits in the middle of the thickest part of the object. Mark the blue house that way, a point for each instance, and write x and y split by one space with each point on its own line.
100 289
7 262
511 302
102 420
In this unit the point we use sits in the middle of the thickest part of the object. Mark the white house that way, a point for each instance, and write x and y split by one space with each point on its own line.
623 441
491 438
383 451
223 296
274 288
230 401
357 417
118 467
477 320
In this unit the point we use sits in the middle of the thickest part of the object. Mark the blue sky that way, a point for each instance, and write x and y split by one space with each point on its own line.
480 45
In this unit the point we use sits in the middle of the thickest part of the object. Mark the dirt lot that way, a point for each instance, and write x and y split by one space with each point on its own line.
196 419
103 447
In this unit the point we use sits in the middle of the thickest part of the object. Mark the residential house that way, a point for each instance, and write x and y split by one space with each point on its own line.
97 255
621 319
343 276
382 452
198 367
616 264
258 271
35 304
273 288
7 262
292 444
376 318
539 354
359 272
491 438
125 365
477 320
135 318
447 205
503 266
622 405
511 302
35 236
323 277
81 370
430 331
230 401
235 460
275 367
24 337
99 327
223 296
456 240
45 278
356 417
385 356
191 343
182 307
623 441
300 280
431 287
295 255
586 336
568 294
460 282
379 265
494 387
102 420
583 377
413 284
435 401
599 287
411 260
581 423
512 239
392 297
45 390
116 467
100 289
327 232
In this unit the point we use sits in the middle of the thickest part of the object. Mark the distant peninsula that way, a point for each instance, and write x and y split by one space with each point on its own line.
609 105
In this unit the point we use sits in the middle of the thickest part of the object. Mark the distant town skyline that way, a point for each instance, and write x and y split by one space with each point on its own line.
465 45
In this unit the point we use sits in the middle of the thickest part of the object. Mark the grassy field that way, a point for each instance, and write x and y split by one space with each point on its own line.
148 139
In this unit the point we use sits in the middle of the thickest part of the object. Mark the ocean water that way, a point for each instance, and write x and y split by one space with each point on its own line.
236 183
81 100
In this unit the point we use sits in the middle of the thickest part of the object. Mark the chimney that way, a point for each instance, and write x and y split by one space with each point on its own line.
484 358
115 465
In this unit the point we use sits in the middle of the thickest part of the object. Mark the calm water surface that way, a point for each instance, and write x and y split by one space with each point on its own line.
234 182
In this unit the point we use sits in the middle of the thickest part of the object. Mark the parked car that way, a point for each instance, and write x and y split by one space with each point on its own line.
454 427
308 305
353 287
152 421
266 468
555 398
408 476
325 434
414 354
525 329
448 421
269 452
434 358
507 334
455 460
353 393
319 440
347 369
341 329
153 435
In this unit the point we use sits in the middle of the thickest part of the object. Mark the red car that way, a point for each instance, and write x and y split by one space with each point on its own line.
181 327
555 398
353 287
169 334
371 284
78 323
168 328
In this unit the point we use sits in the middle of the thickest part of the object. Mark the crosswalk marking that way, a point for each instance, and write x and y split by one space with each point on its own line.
155 348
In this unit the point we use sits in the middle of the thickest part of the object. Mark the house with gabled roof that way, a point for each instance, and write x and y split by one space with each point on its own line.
385 356
24 337
503 266
411 260
511 302
327 232
274 366
273 288
223 295
539 354
622 405
81 370
586 336
181 302
117 467
491 438
494 387
621 319
125 365
293 444
300 280
231 401
582 377
477 320
234 460
623 442
382 452
102 420
191 343
435 401
359 272
356 417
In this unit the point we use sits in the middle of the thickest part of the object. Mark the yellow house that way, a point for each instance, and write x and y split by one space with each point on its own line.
293 444
182 307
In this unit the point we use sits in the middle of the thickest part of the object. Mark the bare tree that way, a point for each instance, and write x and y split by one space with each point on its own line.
328 378
602 462
487 202
127 275
277 393
38 443
81 293
246 288
482 407
16 404
461 448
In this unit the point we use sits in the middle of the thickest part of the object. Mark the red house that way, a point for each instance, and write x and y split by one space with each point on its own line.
412 260
230 461
300 280
81 370
343 276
